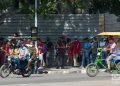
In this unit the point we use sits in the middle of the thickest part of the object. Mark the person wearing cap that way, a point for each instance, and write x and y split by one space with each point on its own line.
111 46
112 49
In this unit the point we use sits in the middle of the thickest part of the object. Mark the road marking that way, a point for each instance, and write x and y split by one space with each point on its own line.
15 85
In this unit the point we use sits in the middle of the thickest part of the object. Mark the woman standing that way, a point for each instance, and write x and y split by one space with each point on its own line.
69 45
40 52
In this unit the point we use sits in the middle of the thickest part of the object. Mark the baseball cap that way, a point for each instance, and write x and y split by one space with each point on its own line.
110 39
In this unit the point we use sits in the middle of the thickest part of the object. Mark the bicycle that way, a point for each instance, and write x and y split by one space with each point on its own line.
93 68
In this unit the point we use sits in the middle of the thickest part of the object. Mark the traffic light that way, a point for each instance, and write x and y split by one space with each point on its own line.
34 33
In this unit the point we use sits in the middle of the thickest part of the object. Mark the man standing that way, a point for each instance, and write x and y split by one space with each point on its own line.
94 47
61 50
86 51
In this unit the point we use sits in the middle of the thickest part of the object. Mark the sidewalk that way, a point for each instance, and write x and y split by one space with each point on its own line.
66 70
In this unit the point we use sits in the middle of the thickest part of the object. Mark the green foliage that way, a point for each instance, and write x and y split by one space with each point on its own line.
115 7
77 4
47 7
4 4
26 6
103 6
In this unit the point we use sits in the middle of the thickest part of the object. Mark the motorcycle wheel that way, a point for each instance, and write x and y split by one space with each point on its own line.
26 72
5 70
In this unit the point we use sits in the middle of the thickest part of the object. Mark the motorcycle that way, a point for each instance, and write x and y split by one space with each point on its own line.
12 67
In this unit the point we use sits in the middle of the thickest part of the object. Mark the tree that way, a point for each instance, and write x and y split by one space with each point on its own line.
103 6
46 7
4 4
115 7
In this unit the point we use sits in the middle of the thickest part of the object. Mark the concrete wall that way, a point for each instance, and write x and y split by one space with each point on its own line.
80 25
111 23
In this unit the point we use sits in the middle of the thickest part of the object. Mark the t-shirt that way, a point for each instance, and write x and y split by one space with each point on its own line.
112 46
94 47
32 50
6 49
15 51
102 44
39 46
87 45
117 51
76 47
44 48
23 51
61 47
11 51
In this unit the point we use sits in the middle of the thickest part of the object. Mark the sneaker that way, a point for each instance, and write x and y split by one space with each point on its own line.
107 70
61 67
82 67
16 71
40 68
57 67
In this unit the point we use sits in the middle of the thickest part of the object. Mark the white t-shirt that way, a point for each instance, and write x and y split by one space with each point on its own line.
112 46
117 51
23 51
102 44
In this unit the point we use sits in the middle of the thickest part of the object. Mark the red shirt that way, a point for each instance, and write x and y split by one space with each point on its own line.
40 45
6 49
76 47
70 51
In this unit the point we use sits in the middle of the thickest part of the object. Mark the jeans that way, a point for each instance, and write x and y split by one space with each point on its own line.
85 57
94 55
16 61
104 54
60 60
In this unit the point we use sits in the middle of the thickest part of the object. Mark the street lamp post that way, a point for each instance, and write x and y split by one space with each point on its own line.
34 30
36 13
36 23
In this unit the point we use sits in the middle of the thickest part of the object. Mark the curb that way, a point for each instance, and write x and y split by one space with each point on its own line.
64 71
69 71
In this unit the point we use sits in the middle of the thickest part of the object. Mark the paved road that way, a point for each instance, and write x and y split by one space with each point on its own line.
75 79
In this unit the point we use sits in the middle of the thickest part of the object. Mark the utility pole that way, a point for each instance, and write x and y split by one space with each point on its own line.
36 19
36 12
34 29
